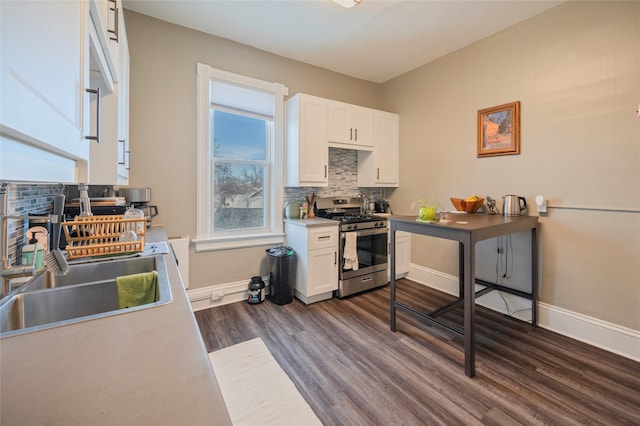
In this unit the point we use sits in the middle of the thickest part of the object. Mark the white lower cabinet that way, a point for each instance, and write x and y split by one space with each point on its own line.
316 248
403 253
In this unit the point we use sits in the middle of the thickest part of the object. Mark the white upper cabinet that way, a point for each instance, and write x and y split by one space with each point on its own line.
124 154
349 126
105 15
44 73
380 168
315 124
307 148
109 162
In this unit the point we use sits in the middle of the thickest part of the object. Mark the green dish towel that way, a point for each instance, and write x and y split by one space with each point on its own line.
137 289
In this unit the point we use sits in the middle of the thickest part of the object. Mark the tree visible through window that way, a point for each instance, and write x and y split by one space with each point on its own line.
240 158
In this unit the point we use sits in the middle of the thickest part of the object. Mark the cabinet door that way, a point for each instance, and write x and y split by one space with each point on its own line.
322 271
362 119
104 15
307 148
381 167
403 252
350 125
387 149
339 128
43 75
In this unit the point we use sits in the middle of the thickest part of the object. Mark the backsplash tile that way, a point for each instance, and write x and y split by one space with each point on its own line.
343 179
24 199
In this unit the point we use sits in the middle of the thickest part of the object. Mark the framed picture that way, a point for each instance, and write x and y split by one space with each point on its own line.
499 130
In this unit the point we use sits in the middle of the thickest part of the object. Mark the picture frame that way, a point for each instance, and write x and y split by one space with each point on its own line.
499 130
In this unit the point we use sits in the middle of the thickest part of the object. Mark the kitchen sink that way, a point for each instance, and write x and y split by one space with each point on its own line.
87 292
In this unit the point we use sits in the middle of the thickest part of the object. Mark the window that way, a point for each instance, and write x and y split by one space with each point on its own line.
240 160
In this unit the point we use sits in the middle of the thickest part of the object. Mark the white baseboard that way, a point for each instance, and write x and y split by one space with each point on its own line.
610 337
220 294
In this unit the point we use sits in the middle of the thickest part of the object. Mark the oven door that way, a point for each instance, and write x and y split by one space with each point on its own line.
372 252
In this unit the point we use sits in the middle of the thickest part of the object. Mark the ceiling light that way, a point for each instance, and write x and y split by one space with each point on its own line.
347 3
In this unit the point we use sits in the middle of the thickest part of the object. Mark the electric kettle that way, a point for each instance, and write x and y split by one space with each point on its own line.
513 205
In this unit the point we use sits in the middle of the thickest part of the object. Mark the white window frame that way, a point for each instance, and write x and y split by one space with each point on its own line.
274 233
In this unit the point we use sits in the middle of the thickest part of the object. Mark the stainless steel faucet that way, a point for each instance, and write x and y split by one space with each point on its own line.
8 272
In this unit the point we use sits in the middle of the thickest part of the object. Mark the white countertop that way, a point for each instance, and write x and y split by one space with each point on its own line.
148 367
316 221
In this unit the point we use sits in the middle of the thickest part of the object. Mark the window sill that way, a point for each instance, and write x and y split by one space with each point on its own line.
229 243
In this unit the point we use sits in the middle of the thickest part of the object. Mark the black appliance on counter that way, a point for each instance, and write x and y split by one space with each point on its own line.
369 234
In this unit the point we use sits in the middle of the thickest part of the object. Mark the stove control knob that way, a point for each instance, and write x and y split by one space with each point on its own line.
354 226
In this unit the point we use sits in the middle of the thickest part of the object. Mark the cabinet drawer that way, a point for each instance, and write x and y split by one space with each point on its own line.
323 238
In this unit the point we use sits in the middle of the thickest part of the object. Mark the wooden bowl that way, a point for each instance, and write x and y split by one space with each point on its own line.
466 206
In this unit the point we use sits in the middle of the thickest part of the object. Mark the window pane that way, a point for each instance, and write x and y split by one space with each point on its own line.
238 137
238 196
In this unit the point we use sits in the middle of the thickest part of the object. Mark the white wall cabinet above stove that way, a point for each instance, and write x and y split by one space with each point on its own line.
381 167
44 75
307 146
350 126
315 124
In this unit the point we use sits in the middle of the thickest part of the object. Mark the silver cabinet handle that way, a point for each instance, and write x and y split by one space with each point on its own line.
335 257
356 132
114 31
129 162
351 134
324 237
97 93
378 169
325 170
124 153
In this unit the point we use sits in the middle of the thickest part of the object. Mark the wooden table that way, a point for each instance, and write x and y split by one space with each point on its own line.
478 227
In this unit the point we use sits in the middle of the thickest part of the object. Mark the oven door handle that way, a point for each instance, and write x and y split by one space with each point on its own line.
365 232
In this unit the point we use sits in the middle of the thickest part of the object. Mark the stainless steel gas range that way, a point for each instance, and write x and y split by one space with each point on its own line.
363 248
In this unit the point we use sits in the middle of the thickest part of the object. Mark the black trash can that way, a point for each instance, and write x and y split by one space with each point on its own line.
281 264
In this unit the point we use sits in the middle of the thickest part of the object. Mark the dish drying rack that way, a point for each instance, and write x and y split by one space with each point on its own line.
100 235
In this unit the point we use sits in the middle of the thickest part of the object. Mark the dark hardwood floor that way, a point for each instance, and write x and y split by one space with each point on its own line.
353 370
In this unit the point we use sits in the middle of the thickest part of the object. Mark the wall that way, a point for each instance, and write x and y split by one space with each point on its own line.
576 71
163 124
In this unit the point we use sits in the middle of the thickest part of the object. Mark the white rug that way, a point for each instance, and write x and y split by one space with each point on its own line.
256 390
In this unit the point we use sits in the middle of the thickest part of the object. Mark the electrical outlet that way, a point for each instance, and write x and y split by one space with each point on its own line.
217 295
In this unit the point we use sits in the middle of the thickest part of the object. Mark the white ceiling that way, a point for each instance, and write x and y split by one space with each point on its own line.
376 41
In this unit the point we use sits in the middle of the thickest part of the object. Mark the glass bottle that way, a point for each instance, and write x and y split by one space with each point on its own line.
134 213
85 203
